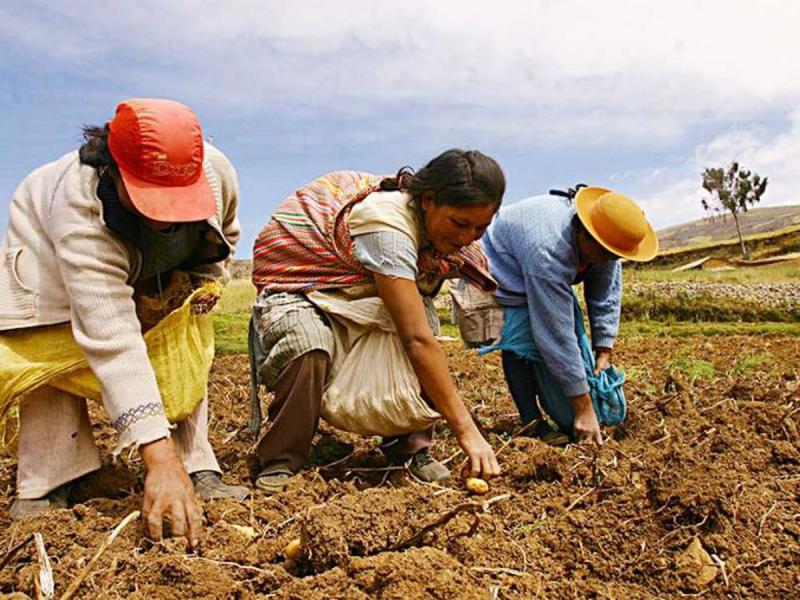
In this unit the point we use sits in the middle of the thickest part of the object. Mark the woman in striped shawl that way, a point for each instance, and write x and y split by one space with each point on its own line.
375 247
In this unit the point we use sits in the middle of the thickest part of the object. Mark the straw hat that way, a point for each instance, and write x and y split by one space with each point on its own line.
617 223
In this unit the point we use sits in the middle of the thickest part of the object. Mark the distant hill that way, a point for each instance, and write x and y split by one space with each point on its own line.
240 268
722 228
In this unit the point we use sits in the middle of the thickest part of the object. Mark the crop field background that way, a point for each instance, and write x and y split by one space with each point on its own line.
754 301
696 494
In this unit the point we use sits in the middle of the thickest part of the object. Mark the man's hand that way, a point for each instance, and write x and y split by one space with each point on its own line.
585 427
168 491
482 461
203 303
602 360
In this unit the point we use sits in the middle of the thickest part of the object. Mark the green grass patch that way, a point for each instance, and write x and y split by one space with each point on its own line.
449 329
230 332
752 362
767 274
701 307
641 376
693 368
687 329
637 373
232 317
237 296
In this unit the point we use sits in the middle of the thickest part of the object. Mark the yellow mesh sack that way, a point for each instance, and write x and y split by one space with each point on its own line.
180 347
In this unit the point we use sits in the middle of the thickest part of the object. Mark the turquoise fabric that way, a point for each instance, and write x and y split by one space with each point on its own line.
605 389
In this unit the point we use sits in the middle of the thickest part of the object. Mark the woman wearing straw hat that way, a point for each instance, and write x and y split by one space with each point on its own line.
142 197
538 249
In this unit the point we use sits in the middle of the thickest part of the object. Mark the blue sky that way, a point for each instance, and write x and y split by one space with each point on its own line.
634 96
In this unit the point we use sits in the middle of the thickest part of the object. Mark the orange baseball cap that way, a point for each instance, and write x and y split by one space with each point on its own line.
158 147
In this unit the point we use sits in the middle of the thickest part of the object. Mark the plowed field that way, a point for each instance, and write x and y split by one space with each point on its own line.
710 452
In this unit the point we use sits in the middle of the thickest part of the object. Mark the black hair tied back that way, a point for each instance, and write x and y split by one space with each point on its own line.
395 184
455 177
94 151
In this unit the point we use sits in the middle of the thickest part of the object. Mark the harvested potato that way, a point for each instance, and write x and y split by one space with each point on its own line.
294 549
245 530
477 486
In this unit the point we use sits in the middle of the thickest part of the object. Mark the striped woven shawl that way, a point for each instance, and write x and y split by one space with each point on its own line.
307 246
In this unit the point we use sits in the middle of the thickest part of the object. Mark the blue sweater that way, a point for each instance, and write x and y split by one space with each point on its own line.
533 255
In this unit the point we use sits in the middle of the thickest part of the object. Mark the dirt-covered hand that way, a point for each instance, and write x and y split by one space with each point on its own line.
602 360
585 427
203 303
168 492
482 460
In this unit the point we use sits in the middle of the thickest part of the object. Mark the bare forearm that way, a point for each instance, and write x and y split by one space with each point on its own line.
581 404
430 366
159 453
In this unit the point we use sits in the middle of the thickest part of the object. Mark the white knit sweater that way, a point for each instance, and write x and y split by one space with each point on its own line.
60 263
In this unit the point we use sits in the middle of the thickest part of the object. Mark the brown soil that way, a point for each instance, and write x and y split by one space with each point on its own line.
714 457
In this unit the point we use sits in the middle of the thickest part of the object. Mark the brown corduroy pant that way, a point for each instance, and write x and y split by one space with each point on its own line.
294 418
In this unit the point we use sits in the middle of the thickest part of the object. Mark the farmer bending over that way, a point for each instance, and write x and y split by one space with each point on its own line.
143 196
340 322
538 249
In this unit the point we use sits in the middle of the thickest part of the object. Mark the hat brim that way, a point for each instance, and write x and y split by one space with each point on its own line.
647 248
171 204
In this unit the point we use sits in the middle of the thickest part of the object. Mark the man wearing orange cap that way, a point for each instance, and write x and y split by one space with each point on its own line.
143 197
538 249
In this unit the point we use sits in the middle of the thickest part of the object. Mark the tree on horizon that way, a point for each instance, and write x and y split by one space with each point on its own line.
732 190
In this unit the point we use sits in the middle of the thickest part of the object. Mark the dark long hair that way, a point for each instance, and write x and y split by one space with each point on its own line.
455 177
94 151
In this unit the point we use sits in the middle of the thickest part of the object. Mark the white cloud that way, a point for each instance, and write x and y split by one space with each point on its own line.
624 75
533 72
672 195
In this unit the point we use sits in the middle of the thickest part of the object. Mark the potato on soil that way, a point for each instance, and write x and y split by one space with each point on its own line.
294 549
477 486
